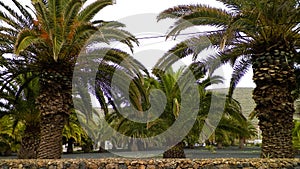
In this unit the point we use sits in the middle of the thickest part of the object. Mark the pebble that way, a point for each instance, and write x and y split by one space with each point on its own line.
122 163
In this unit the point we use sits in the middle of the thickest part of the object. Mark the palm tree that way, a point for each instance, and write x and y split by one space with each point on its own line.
234 123
73 132
259 33
139 99
167 81
173 84
111 89
19 87
18 101
115 64
58 32
10 135
296 135
19 84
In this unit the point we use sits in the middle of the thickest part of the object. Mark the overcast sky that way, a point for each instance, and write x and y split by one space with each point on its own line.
134 14
139 17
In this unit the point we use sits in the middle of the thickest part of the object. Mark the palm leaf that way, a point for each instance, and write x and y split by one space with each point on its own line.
25 39
92 9
187 47
28 17
177 12
240 68
203 16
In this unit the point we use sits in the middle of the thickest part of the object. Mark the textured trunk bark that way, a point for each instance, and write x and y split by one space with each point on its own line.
51 136
219 145
191 146
54 104
88 147
242 142
70 148
176 151
102 147
30 142
275 80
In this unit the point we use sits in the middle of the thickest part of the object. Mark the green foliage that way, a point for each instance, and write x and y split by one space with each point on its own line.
10 135
62 29
52 33
243 29
296 134
73 129
211 148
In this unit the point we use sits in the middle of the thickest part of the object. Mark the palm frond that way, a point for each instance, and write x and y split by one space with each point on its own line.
203 16
192 46
28 17
177 12
55 8
25 39
92 9
42 15
8 20
232 4
239 69
112 34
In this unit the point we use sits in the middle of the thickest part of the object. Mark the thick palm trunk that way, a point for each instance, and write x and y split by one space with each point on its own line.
55 103
51 136
275 80
176 151
30 142
102 147
242 142
70 148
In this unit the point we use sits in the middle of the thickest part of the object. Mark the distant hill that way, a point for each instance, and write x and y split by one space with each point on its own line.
244 96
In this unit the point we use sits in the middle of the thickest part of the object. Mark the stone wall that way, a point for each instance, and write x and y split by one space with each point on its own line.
121 163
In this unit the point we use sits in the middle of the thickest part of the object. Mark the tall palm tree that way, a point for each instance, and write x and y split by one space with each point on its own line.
296 135
117 65
111 89
10 135
18 101
73 132
259 33
59 31
18 84
167 81
139 99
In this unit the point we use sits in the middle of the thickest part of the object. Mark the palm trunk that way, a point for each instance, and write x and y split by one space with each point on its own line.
242 142
275 80
176 151
70 148
102 147
30 142
219 145
54 103
51 136
87 147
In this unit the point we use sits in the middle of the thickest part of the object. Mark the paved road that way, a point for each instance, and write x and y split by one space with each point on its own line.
190 153
231 152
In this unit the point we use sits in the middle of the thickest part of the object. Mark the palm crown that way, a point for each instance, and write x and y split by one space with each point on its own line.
62 28
243 29
259 33
48 40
